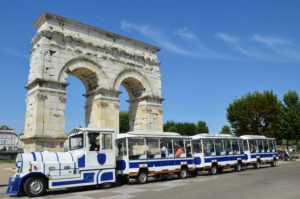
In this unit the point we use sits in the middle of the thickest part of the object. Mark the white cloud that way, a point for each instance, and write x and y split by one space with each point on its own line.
226 37
184 33
157 36
283 48
270 40
264 48
276 49
197 50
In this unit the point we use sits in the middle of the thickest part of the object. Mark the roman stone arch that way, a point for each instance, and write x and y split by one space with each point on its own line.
103 61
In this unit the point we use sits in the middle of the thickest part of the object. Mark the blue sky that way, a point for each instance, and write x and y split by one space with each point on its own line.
212 52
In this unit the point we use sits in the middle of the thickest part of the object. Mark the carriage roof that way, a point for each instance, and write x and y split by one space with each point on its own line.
133 134
214 136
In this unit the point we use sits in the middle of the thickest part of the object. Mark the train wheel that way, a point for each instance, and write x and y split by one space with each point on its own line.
213 170
238 167
257 165
183 173
35 186
142 178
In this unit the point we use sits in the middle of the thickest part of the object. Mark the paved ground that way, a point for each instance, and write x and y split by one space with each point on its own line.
6 170
281 182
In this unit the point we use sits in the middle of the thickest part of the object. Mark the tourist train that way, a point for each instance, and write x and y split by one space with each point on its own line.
99 157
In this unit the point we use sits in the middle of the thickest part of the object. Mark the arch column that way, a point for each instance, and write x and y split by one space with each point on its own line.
146 114
44 119
102 109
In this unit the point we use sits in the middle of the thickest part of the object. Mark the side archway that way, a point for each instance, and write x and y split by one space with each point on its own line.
132 80
142 114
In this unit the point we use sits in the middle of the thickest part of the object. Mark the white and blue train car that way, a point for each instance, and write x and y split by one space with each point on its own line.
260 150
156 154
215 152
89 161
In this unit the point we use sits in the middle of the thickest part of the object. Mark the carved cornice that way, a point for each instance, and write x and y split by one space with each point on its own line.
113 51
61 21
103 91
152 99
47 83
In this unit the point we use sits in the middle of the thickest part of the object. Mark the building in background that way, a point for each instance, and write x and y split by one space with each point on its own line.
8 138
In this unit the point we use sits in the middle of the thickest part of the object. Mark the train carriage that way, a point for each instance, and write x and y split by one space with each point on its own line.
260 150
215 152
143 154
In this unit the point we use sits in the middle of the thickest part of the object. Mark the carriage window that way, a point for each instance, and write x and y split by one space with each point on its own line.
166 147
260 146
253 146
266 147
235 147
76 142
188 148
270 143
274 145
241 146
121 149
153 150
227 146
137 148
219 147
208 147
179 148
106 141
245 144
197 146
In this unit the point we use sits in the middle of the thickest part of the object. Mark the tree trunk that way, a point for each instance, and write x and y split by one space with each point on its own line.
287 144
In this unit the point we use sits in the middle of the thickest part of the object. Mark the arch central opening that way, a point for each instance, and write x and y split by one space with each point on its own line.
74 111
82 81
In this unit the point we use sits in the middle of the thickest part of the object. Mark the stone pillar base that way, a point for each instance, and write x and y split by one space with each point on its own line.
38 144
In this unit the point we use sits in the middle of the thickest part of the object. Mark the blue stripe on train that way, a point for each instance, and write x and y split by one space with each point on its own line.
263 155
87 178
226 158
160 163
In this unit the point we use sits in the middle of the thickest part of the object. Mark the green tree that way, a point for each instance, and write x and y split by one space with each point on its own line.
290 118
256 114
124 122
172 129
202 127
226 130
168 125
184 128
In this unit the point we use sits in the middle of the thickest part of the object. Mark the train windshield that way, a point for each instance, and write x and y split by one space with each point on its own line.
76 142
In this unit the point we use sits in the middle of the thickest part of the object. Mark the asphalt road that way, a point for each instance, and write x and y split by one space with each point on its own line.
282 182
